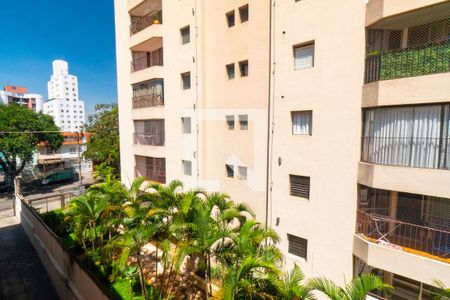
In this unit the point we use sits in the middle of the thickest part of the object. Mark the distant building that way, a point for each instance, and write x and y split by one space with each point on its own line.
19 95
64 104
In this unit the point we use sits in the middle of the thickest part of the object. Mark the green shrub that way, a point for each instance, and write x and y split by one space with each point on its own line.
415 62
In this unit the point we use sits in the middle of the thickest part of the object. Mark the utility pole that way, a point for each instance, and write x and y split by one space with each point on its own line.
80 139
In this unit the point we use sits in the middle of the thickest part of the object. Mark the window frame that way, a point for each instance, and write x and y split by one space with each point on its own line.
232 14
186 130
229 168
231 68
303 243
300 194
187 165
231 122
243 122
242 71
306 45
182 35
183 78
310 114
244 17
242 176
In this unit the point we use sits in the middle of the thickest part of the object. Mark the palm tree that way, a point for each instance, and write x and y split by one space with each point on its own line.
131 243
290 286
357 289
85 211
251 238
444 292
248 279
201 232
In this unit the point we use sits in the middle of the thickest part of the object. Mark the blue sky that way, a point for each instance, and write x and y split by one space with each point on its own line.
34 33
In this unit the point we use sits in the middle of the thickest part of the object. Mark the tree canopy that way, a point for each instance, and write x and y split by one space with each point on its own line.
103 144
21 130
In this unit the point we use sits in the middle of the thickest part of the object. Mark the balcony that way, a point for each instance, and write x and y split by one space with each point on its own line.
408 62
414 136
413 223
139 23
149 132
416 239
152 168
380 9
144 60
148 139
409 45
404 287
148 94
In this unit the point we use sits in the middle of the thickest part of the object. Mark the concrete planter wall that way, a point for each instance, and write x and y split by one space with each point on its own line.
69 277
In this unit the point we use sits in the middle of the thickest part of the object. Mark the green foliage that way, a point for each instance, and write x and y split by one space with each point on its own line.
357 289
55 220
443 293
103 145
193 231
16 145
415 62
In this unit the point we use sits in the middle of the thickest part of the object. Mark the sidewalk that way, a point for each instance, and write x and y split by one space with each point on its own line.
22 275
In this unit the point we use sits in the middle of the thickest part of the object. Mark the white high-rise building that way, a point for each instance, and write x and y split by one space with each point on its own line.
63 102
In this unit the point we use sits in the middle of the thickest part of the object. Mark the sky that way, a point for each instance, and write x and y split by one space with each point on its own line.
34 33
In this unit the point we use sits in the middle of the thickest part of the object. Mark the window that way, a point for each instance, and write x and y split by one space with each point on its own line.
243 68
230 18
230 171
243 122
243 13
304 56
230 71
242 172
186 80
187 167
299 186
230 122
186 123
302 122
185 35
408 136
298 246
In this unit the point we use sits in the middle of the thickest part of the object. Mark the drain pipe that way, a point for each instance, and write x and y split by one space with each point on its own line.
269 123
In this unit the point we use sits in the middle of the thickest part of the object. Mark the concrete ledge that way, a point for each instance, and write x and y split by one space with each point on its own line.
150 151
380 9
155 72
155 30
431 182
69 277
147 113
133 3
419 268
433 88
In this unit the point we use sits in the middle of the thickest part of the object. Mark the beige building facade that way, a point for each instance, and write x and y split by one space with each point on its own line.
330 118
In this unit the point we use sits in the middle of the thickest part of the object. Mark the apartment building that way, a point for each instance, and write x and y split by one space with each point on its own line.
330 118
184 87
19 95
63 103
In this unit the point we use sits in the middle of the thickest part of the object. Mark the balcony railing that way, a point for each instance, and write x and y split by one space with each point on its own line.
408 62
390 232
140 23
154 58
148 139
147 101
151 174
417 152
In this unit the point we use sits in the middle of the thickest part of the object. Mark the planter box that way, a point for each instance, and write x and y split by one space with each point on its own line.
70 278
